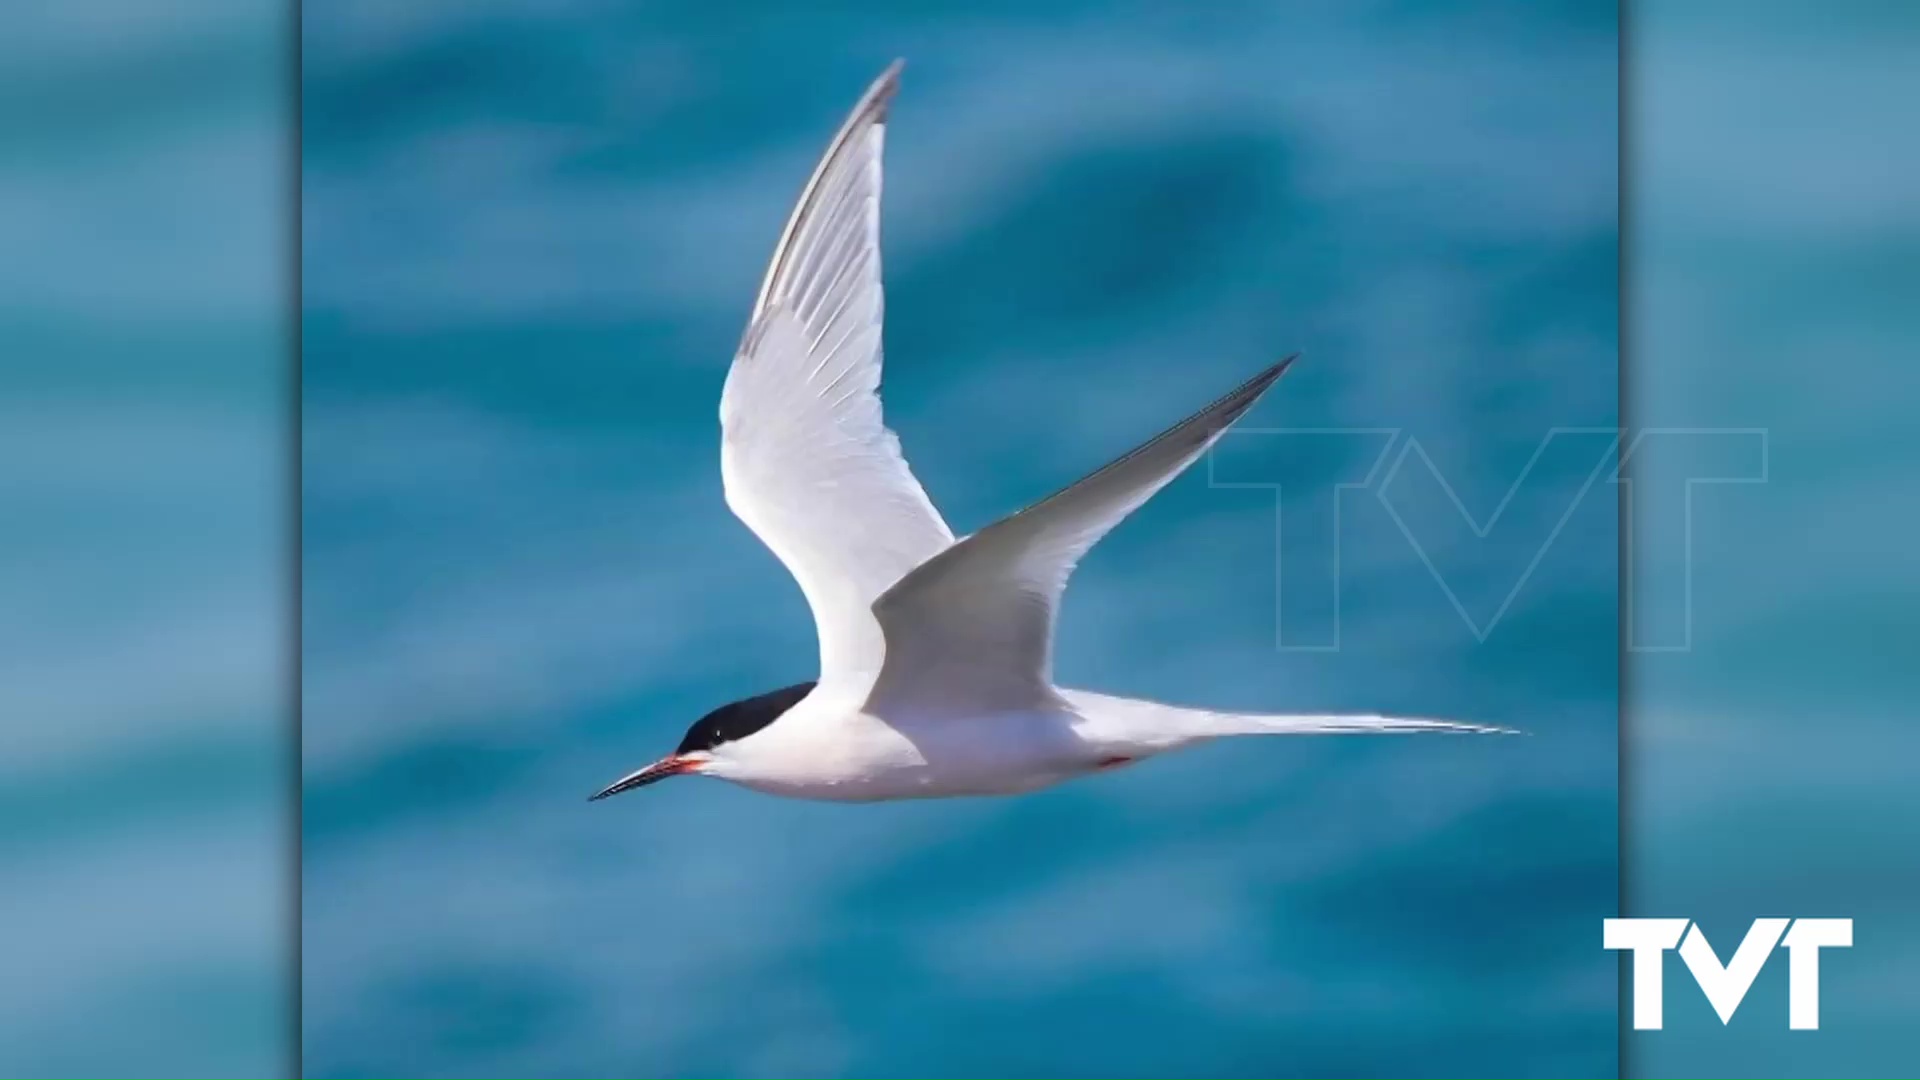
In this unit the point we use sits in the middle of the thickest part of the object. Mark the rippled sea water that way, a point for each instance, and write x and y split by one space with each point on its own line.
531 234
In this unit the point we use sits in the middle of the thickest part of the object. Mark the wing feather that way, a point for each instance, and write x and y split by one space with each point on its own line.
808 462
972 628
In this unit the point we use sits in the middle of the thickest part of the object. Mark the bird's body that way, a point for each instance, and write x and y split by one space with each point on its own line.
936 652
834 745
831 746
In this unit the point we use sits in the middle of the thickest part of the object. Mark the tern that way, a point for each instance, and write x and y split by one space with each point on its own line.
936 654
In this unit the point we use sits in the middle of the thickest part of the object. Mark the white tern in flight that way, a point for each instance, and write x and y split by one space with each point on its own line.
936 654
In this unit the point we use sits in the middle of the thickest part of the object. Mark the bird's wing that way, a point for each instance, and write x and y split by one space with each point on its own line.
808 463
972 628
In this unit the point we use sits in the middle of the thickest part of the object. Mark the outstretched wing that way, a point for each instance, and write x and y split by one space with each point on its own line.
972 628
808 463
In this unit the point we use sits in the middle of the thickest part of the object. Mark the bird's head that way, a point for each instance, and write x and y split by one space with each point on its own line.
706 747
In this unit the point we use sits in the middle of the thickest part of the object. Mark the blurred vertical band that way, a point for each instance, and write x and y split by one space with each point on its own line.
1774 261
146 887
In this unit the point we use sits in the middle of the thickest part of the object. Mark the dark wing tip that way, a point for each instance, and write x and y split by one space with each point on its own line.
880 95
1272 375
869 111
1237 401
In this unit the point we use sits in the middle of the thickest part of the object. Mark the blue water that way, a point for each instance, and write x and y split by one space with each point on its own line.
531 234
1772 763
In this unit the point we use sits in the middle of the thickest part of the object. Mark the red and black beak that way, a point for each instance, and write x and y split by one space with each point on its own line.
671 765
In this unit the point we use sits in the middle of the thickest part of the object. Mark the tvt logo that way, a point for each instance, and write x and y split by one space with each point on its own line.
1726 984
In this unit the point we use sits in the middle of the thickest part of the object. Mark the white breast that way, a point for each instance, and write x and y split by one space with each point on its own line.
823 749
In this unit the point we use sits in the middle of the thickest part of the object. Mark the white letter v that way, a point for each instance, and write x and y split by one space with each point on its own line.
1727 986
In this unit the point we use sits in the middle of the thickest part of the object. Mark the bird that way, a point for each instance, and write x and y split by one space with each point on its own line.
936 652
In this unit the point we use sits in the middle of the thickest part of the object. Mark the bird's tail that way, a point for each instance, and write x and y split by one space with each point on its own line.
1150 727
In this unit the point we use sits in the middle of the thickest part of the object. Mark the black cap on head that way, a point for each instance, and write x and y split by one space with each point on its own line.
740 719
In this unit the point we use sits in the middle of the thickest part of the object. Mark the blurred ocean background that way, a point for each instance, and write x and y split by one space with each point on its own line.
1771 767
531 235
147 914
146 517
